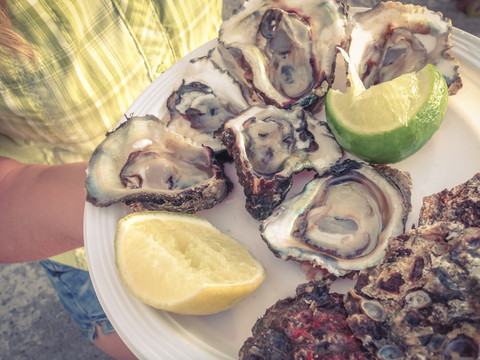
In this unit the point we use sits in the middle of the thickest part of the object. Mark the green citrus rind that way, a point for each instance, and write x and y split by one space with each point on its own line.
385 147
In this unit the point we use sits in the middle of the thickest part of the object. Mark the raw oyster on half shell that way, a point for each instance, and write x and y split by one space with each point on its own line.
145 165
342 220
392 39
268 146
204 99
285 49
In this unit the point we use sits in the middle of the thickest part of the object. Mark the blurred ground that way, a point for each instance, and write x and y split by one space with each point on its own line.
33 323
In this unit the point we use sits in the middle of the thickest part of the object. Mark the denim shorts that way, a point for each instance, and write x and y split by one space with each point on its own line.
76 293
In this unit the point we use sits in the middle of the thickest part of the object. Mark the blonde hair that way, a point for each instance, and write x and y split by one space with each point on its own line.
9 39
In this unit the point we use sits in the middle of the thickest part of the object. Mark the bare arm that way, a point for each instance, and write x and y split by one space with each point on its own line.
41 209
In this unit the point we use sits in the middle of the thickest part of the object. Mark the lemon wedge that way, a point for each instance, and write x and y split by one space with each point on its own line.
182 263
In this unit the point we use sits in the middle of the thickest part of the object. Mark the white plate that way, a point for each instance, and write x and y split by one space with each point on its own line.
451 157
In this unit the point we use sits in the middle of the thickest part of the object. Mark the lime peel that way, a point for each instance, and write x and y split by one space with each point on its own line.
388 122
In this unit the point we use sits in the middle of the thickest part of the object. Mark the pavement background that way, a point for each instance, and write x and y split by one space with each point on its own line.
33 323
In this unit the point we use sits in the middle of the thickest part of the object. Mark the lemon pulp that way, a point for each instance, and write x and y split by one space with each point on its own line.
182 263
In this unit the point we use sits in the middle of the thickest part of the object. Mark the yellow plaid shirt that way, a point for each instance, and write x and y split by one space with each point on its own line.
95 57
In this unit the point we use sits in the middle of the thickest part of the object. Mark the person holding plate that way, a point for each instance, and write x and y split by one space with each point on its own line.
68 71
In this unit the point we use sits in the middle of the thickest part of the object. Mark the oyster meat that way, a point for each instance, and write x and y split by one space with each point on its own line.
392 39
285 49
421 302
145 165
204 99
269 145
342 220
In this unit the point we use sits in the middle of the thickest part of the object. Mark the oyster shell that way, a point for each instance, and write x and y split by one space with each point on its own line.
392 39
310 325
342 220
269 145
460 204
149 167
204 99
285 49
421 302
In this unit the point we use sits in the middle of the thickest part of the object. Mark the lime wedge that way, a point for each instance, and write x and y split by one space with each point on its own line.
388 122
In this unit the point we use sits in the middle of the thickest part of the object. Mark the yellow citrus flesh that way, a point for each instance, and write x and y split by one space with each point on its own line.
183 264
390 121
